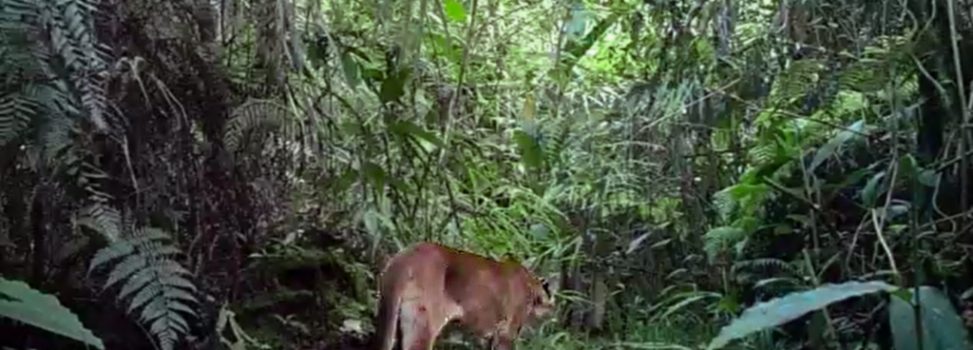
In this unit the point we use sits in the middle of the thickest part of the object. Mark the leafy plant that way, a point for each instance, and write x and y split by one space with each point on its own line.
941 326
778 311
21 303
152 282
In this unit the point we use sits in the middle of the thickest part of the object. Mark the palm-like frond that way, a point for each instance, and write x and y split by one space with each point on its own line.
158 288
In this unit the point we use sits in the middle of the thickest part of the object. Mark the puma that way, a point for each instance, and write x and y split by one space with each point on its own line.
426 287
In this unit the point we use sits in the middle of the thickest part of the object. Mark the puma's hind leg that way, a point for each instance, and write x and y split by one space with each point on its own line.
421 324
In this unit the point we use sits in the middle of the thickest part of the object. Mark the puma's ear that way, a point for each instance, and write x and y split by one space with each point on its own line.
533 263
551 284
542 261
529 263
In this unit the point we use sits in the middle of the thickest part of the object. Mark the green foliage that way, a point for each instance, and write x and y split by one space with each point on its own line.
24 304
617 143
720 238
454 10
17 109
67 40
50 88
941 326
155 285
781 310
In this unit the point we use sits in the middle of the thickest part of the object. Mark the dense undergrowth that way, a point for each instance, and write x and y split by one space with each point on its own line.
693 174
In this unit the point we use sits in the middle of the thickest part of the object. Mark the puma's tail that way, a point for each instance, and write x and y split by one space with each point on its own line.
388 316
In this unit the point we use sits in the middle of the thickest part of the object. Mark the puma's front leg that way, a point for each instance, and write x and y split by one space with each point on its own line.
502 342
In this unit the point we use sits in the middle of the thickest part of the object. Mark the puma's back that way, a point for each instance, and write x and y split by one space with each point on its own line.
429 285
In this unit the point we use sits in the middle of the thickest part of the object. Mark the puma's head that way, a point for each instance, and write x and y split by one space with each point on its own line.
542 304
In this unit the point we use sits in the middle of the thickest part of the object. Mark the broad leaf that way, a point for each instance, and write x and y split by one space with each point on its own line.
781 310
349 66
942 328
530 150
454 10
393 86
835 143
407 128
27 305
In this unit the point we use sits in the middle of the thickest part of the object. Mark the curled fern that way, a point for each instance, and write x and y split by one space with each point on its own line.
255 115
158 289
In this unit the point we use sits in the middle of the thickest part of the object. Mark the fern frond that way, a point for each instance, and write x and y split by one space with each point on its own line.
17 110
151 282
762 264
125 247
719 239
71 30
763 154
556 145
99 214
102 218
255 115
794 80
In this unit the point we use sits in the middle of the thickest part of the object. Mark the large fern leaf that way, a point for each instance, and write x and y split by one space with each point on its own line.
72 39
794 80
17 110
157 288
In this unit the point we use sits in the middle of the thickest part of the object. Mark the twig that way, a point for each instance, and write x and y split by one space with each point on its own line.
885 245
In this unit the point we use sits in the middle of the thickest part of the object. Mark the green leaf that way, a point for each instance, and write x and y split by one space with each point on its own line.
393 86
43 311
942 328
454 10
691 298
375 174
929 178
832 146
781 310
405 127
350 69
530 151
870 192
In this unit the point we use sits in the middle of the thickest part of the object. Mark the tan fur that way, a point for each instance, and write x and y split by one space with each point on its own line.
425 287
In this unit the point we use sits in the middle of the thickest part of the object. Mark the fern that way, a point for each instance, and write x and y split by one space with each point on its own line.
558 144
17 109
255 115
152 282
71 28
874 70
103 219
761 263
795 79
18 103
50 85
718 239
